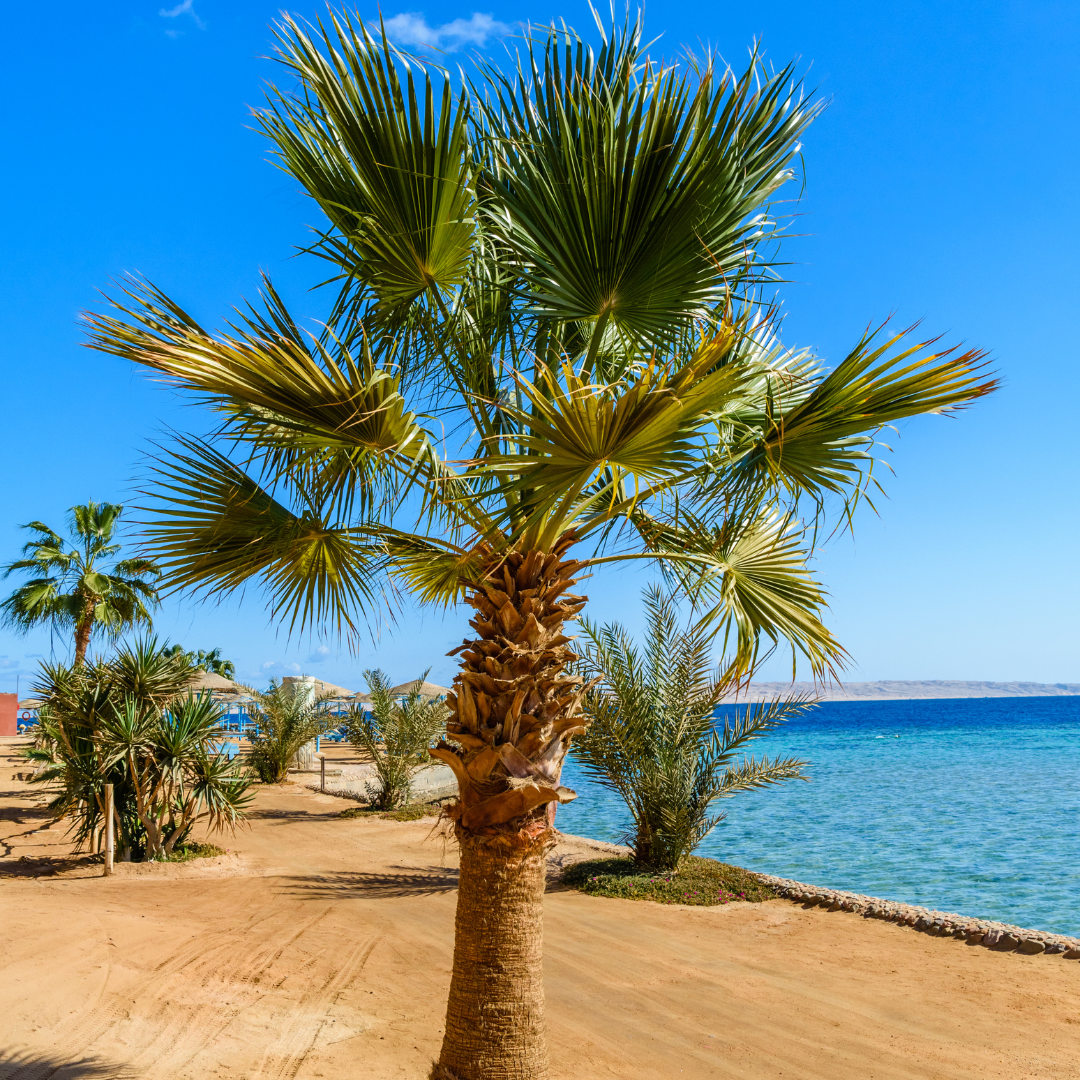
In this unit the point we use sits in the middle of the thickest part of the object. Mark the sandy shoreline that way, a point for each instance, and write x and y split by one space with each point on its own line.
321 947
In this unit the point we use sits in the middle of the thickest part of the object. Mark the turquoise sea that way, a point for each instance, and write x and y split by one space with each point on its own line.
966 805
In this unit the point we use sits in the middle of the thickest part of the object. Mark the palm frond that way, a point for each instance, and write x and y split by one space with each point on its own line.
213 528
628 190
387 161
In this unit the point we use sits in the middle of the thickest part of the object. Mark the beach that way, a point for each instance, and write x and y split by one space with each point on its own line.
321 947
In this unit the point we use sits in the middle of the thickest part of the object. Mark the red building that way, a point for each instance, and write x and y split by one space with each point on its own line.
9 710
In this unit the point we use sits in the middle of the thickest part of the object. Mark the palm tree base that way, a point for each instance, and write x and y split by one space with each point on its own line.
495 1023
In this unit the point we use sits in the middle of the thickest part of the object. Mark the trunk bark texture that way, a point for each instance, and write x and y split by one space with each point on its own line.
82 634
514 710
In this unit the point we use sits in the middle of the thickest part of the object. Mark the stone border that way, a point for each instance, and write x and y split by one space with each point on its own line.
1002 937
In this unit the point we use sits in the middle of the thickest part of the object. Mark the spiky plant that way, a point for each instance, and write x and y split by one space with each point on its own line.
653 737
396 735
546 354
80 587
129 721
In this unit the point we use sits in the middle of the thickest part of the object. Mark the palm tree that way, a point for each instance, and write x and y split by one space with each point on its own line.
652 735
284 722
201 660
78 588
548 351
396 735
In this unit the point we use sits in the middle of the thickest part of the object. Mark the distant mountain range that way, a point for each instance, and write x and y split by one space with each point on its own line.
898 689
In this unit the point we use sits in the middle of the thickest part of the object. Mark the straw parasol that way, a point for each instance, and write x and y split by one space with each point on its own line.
207 680
427 690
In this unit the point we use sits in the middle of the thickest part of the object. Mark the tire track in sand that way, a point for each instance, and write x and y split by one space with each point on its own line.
282 1061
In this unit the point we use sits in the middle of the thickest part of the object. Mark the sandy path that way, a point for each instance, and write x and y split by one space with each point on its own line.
321 948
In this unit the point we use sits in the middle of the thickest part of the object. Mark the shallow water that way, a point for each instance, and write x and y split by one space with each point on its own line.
965 805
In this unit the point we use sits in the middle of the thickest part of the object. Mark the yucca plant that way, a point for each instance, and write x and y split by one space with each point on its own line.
80 587
129 721
397 736
545 354
653 737
286 719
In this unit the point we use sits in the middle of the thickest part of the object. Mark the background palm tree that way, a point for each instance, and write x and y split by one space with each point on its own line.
201 660
547 351
397 735
81 588
652 735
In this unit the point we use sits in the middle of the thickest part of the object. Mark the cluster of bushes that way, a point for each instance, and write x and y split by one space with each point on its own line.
129 721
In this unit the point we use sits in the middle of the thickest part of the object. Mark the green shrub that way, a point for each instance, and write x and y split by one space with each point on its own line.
285 721
130 722
702 882
406 813
193 849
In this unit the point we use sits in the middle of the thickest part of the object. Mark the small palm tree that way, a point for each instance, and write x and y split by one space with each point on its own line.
285 720
81 588
397 735
549 351
653 737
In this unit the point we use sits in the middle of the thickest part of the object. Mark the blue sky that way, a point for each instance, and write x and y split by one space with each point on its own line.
941 186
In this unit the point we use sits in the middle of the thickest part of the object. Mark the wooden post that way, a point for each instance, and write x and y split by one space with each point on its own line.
110 841
322 772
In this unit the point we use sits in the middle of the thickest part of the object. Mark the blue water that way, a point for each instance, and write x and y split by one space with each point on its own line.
969 805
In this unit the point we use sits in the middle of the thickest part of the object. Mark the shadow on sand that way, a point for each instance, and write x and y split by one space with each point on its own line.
30 1065
409 881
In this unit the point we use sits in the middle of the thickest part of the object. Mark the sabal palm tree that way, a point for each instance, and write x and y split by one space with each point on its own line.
547 353
80 587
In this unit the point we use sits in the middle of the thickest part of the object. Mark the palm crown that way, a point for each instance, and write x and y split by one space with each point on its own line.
81 586
547 351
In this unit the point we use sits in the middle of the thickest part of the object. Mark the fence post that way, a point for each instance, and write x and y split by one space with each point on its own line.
322 772
110 838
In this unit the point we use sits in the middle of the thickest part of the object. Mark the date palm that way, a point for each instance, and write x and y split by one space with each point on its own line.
652 735
80 587
546 354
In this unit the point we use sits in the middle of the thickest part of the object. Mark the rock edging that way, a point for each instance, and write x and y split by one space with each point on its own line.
1002 937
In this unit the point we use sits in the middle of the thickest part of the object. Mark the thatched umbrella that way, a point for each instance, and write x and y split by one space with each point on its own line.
427 690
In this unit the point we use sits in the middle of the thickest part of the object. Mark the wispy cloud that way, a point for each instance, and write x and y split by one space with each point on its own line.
183 8
319 655
6 664
411 28
279 667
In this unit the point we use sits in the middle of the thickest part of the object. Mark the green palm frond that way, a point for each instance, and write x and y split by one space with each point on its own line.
821 444
748 574
215 528
628 190
640 432
388 163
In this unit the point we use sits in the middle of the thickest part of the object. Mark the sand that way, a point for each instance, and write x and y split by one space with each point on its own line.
321 947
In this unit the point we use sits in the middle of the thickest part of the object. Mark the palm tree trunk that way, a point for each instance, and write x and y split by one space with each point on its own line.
83 630
514 710
495 1024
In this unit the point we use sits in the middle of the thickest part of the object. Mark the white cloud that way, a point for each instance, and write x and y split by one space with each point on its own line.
411 28
319 655
6 664
183 8
279 667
